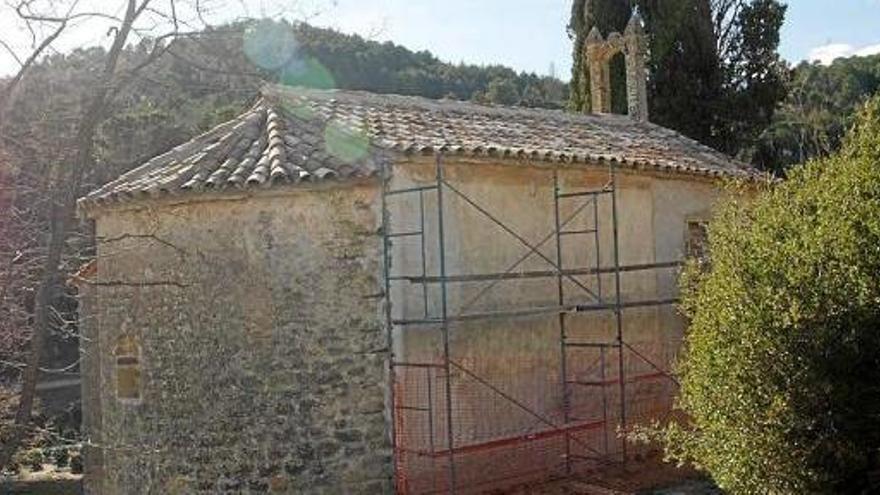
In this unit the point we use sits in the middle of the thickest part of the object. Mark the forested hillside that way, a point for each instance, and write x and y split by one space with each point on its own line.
200 81
820 108
188 86
354 63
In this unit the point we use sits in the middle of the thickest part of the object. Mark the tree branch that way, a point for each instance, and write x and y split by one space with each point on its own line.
61 219
11 52
6 96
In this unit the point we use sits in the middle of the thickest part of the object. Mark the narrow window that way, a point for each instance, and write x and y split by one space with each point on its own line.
128 369
696 244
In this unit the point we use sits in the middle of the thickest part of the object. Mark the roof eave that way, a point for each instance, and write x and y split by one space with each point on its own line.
91 208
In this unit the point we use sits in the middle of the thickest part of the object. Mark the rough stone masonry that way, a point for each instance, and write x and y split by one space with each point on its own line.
261 347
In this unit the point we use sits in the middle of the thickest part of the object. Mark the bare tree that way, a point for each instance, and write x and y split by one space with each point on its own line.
62 216
157 23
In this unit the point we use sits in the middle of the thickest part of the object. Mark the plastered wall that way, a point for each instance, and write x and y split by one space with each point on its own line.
506 375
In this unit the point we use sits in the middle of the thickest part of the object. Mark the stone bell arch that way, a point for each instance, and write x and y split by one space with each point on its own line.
599 52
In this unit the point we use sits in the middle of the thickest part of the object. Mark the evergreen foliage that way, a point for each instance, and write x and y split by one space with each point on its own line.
782 361
356 63
821 106
714 71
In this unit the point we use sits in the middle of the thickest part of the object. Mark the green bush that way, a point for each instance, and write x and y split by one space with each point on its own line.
781 369
33 459
60 456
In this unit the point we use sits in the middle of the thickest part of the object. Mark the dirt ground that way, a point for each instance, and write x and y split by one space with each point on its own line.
638 478
641 478
47 483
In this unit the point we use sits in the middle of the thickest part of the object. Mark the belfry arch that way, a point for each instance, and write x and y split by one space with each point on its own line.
599 53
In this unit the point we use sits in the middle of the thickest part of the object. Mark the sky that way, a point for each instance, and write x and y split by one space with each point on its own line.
527 35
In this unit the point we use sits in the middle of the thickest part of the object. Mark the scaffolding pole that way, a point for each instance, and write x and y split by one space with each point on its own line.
618 310
444 312
389 326
592 197
563 368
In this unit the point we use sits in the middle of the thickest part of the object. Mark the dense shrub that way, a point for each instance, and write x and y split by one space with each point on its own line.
33 459
781 370
60 456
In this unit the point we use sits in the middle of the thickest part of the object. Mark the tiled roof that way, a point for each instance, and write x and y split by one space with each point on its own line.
295 135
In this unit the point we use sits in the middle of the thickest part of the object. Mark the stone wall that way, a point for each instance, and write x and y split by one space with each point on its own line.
261 346
259 320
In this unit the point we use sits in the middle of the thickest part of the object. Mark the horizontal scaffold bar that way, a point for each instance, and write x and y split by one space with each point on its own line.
614 381
578 232
577 194
410 190
484 277
626 304
418 365
591 344
489 315
406 234
413 408
578 308
520 439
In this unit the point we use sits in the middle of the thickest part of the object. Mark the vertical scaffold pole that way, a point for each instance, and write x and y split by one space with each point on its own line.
389 326
596 240
430 408
563 359
603 377
444 315
424 251
618 310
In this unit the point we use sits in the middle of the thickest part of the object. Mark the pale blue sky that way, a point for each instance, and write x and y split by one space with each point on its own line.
523 34
530 34
841 27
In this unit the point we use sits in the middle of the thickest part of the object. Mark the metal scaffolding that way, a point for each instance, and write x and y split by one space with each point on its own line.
435 463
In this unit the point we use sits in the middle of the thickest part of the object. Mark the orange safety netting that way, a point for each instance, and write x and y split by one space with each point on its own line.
508 418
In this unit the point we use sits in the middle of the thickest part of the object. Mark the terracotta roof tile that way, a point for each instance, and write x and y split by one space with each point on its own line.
295 135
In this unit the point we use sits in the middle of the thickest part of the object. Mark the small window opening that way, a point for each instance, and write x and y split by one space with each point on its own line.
697 243
128 369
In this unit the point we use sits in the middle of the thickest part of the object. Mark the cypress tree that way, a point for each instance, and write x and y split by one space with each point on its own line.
714 71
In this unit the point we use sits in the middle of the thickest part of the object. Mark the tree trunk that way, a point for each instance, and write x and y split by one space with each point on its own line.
62 218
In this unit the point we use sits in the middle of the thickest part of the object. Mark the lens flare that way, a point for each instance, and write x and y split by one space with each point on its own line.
308 73
346 143
273 46
269 45
299 110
